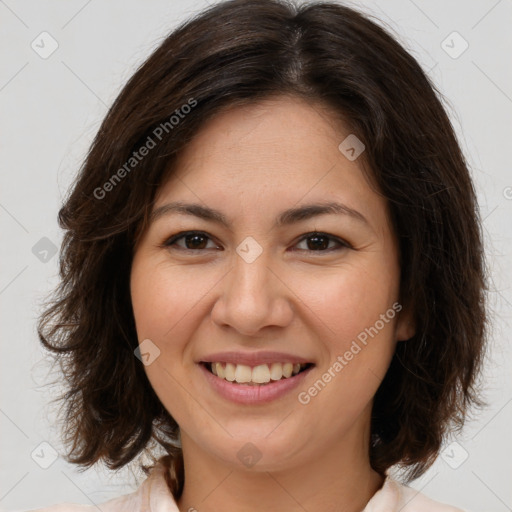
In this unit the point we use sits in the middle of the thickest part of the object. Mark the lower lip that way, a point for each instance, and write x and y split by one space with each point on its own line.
245 394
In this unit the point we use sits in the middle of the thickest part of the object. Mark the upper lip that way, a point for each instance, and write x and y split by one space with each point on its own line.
253 358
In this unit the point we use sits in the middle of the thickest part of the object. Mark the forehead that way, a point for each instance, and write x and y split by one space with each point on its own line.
270 155
277 133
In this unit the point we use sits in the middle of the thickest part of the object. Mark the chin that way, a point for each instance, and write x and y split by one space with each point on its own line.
260 452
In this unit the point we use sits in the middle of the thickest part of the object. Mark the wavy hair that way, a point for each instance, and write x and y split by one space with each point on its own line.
239 52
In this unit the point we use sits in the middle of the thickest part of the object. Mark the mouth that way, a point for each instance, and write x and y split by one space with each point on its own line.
258 375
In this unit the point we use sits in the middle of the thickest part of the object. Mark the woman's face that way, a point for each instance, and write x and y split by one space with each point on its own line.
256 288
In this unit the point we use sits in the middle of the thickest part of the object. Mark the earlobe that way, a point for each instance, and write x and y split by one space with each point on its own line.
405 326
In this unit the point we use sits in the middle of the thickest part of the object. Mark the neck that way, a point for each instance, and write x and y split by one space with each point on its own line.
339 479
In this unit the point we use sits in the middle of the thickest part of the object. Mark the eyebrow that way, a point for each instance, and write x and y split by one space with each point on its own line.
285 218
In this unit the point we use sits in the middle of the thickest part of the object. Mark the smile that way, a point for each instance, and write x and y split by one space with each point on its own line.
238 383
261 374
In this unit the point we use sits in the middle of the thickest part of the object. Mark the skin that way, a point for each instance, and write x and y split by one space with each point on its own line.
251 163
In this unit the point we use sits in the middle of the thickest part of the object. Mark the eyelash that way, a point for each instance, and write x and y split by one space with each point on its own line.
178 236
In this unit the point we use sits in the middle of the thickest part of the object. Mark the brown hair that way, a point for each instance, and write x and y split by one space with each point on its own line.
234 53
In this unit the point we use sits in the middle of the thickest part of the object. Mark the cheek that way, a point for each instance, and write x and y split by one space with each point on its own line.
348 308
163 296
348 300
163 299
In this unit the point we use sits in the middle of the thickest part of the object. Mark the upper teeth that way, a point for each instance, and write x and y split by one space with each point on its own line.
260 374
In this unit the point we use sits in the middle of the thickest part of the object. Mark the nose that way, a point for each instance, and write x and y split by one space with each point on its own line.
253 296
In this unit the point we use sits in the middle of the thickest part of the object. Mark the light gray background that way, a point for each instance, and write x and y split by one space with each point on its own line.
50 111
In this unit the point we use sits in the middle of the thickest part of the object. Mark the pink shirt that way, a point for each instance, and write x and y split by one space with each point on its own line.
154 496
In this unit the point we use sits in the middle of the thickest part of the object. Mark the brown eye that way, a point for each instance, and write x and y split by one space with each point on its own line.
319 242
191 240
195 241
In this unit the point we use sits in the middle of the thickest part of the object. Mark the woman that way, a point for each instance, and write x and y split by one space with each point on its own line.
272 261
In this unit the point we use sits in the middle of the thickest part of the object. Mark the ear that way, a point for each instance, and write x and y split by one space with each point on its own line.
405 324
